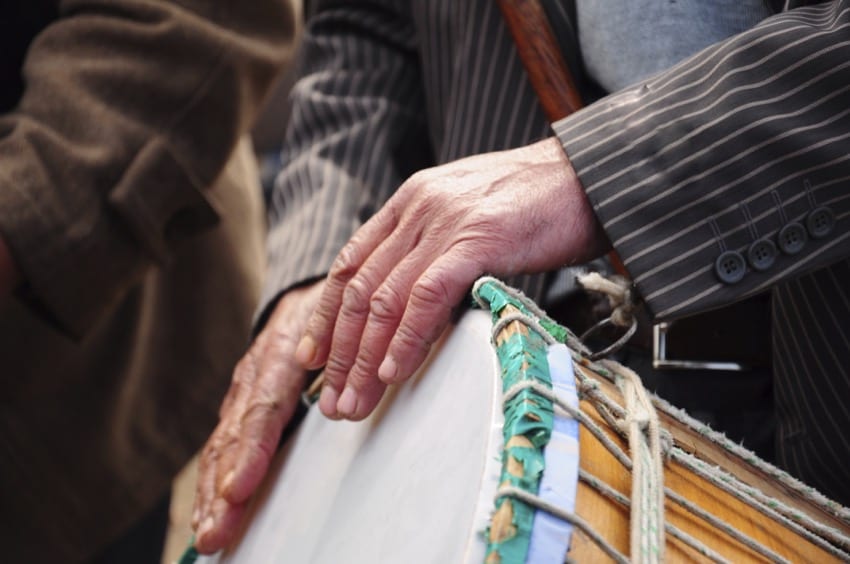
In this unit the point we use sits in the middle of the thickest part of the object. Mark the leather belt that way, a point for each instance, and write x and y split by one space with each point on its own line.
734 338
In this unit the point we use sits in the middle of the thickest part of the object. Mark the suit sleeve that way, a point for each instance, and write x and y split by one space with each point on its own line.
728 173
130 111
357 130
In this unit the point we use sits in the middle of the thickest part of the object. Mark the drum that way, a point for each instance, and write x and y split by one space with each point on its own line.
509 445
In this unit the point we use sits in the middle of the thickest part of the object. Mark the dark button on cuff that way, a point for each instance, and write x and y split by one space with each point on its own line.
762 254
820 222
792 238
730 267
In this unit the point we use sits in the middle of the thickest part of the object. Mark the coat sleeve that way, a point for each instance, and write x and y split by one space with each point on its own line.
130 111
728 173
357 130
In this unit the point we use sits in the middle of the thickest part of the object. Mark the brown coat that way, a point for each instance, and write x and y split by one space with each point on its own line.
141 258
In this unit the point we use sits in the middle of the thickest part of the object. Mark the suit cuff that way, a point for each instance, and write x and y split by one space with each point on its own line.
615 152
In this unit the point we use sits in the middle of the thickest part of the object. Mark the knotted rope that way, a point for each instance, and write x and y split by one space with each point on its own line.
621 296
650 446
624 304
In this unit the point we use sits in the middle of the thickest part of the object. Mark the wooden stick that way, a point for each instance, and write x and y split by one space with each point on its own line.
541 56
548 72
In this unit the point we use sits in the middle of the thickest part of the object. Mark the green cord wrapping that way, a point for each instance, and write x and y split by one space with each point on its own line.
190 555
521 357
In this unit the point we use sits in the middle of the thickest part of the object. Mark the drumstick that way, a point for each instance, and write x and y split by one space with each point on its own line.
548 72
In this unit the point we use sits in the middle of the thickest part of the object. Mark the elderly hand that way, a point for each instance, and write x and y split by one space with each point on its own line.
265 391
391 290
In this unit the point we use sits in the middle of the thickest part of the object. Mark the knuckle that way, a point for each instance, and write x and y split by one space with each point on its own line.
392 211
225 435
276 339
228 437
356 297
282 341
336 371
345 264
417 180
430 291
212 450
386 304
264 406
243 369
262 450
359 374
427 193
431 200
410 336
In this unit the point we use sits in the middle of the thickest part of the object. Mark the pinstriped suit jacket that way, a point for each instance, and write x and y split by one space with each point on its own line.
723 150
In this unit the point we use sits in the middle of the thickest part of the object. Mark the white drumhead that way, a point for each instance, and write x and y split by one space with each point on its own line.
413 483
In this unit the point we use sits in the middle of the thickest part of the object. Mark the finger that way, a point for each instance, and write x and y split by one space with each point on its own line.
353 314
345 342
219 528
229 430
274 398
218 455
262 397
208 473
211 454
205 485
432 298
363 389
244 442
315 346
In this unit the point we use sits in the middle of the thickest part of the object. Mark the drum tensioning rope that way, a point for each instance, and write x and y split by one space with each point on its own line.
494 295
640 424
617 417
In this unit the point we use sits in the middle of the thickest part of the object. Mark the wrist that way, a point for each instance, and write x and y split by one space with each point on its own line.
588 237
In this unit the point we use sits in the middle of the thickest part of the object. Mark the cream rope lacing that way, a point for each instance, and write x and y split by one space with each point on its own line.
649 445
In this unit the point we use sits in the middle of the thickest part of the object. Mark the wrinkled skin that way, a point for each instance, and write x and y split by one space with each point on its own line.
388 297
391 291
263 395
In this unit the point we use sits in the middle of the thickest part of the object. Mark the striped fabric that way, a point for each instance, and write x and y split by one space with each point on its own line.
726 148
389 87
723 149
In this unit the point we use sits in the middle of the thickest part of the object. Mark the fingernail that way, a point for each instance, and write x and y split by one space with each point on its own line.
347 405
196 517
206 527
328 400
227 483
305 352
388 371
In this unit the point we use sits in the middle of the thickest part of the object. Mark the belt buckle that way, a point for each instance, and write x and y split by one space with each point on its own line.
661 362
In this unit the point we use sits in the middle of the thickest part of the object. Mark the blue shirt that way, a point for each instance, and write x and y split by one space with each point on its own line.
624 41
